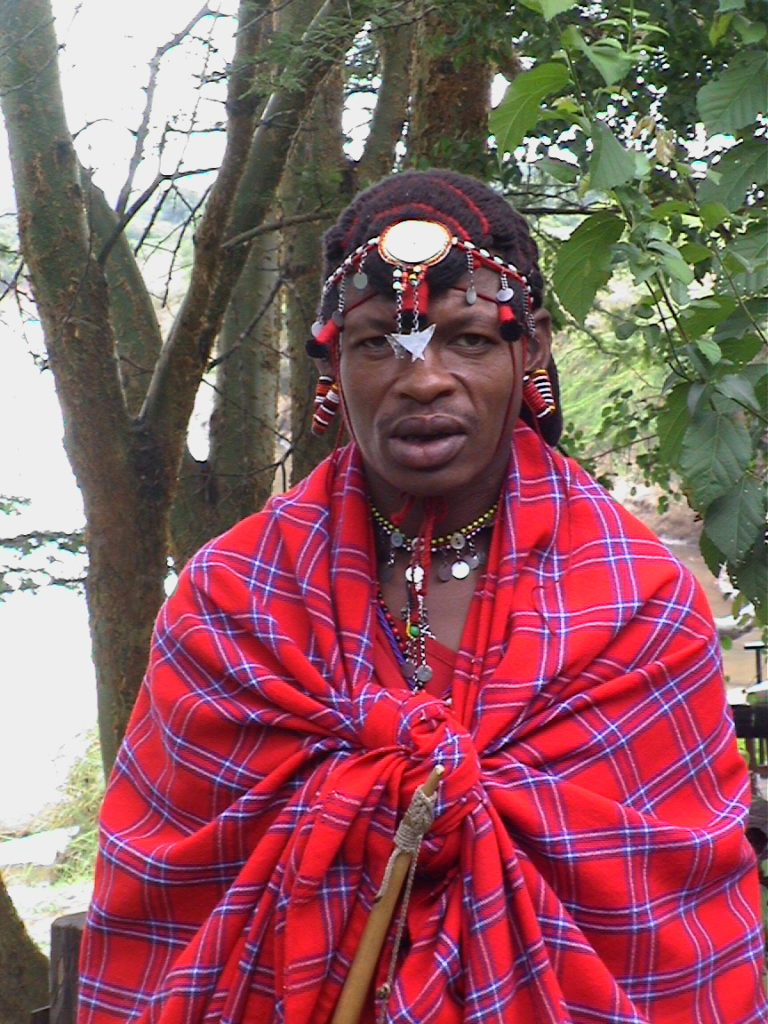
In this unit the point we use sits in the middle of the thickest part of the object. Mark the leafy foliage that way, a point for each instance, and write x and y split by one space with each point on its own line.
670 173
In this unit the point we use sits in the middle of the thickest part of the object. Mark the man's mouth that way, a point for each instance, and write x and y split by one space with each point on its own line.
427 442
427 428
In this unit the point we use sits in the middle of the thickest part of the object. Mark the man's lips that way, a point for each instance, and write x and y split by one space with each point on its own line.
427 428
427 442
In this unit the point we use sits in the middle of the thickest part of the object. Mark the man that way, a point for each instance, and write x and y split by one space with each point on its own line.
447 590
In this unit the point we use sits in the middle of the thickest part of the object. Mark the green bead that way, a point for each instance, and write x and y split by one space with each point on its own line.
414 631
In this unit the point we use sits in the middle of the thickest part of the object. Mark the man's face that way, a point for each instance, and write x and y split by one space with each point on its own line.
440 426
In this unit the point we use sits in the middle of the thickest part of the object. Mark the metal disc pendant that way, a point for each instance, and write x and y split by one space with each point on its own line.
444 572
423 674
409 669
396 539
360 280
460 570
504 294
473 560
471 295
414 574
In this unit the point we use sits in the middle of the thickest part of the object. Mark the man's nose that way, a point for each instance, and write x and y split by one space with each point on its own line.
427 378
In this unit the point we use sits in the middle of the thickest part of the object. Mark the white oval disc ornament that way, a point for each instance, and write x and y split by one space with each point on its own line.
414 243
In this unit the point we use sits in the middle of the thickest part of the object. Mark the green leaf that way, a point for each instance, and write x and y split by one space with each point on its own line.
669 208
751 249
739 170
610 164
716 451
551 8
694 252
703 314
736 97
519 111
714 558
730 5
713 214
719 28
584 262
605 54
741 324
710 349
751 577
673 420
561 170
749 31
739 351
738 388
735 521
673 262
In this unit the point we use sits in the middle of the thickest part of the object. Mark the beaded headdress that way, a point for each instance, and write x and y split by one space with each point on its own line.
411 247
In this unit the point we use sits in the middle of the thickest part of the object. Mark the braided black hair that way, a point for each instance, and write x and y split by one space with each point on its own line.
466 206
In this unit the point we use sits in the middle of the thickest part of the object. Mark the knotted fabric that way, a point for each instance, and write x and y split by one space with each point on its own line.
586 862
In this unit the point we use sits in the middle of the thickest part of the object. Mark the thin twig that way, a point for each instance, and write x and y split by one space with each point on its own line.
145 196
275 225
143 129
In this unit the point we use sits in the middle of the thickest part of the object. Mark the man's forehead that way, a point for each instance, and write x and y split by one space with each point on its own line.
370 308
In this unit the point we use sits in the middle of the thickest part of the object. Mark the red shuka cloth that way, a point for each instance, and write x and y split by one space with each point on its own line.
587 861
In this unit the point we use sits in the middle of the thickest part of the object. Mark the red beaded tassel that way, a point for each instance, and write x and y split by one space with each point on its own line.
415 298
508 325
538 394
327 335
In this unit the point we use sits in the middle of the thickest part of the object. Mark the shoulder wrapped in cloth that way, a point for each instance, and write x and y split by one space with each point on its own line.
587 861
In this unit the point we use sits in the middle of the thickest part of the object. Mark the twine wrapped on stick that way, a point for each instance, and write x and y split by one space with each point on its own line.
401 866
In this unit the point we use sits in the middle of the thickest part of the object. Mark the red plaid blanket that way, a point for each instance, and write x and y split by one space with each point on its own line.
587 861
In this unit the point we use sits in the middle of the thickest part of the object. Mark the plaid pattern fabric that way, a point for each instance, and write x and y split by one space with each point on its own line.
587 862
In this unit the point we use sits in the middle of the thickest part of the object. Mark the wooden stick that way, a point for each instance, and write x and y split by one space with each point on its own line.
361 972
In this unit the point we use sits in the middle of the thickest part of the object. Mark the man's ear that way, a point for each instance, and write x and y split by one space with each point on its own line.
324 367
539 347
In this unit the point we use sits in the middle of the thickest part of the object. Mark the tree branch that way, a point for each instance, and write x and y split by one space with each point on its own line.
239 201
312 217
143 129
69 287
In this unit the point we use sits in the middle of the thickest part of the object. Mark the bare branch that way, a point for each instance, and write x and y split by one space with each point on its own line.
143 129
127 216
312 217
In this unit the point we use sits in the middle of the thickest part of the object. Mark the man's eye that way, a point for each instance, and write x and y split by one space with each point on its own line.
472 341
374 344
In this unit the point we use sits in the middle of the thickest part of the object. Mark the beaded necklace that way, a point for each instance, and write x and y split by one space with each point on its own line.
460 556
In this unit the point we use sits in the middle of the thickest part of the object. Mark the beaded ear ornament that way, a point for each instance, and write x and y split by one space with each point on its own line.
411 247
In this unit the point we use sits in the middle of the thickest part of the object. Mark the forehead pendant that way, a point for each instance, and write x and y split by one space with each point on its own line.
411 247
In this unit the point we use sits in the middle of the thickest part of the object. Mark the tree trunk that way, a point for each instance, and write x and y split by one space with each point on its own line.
392 102
114 463
313 181
451 85
236 478
23 968
126 465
